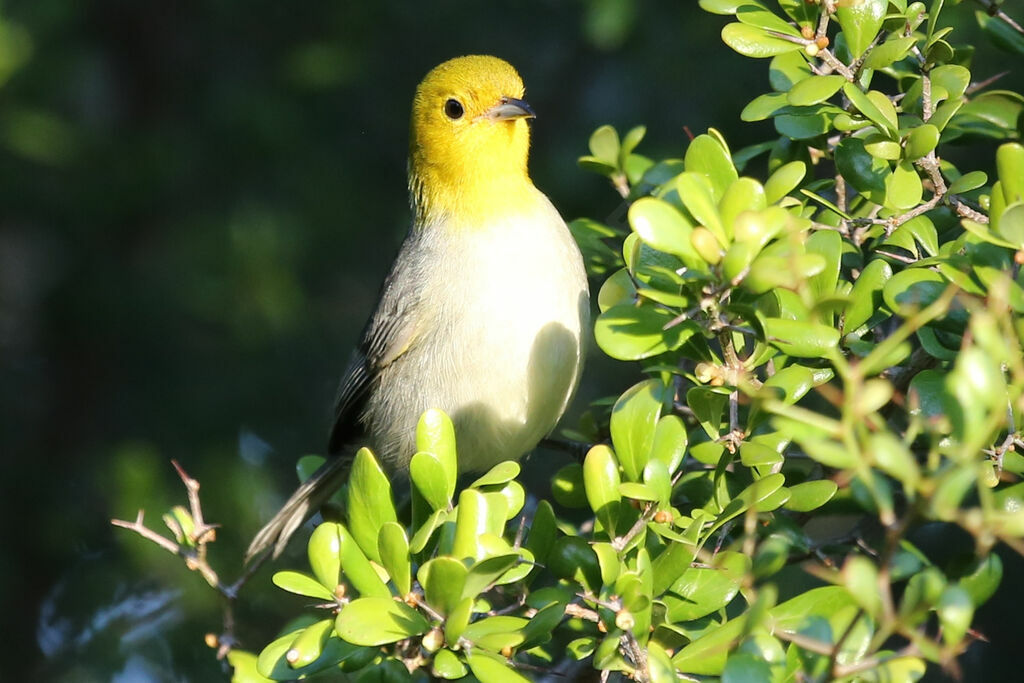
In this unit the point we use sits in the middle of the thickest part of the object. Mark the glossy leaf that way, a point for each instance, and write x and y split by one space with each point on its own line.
634 419
435 434
324 553
379 621
601 478
810 495
302 584
369 502
393 546
629 332
707 155
861 22
804 339
755 42
814 90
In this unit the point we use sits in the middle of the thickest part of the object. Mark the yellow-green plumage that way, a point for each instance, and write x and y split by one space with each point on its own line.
486 307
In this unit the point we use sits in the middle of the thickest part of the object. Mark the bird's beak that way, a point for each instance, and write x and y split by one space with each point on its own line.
509 108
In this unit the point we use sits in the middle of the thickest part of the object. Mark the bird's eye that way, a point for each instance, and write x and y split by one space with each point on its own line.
453 109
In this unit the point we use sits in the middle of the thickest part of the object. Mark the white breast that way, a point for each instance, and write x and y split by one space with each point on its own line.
500 350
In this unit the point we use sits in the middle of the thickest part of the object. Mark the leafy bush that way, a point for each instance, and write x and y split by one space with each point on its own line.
832 359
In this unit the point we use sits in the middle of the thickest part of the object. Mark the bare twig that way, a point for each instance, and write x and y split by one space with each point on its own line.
992 9
193 552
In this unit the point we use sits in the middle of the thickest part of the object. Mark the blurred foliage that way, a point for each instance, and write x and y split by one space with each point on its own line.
199 203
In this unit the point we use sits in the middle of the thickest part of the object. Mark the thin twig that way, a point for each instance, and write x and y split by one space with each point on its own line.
194 554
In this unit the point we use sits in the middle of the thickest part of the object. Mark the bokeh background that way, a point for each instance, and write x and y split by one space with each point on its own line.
198 202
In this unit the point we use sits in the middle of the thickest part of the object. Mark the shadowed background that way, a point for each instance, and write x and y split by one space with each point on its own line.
199 202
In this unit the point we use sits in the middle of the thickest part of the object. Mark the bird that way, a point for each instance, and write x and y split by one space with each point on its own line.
484 314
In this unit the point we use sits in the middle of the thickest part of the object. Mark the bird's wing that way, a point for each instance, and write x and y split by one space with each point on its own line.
391 331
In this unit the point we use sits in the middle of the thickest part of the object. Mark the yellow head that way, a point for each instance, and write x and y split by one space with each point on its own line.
470 140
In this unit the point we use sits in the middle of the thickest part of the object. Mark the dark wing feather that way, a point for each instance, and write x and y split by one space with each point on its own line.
388 334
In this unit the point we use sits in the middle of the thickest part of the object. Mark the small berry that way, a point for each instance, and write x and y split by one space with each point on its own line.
624 620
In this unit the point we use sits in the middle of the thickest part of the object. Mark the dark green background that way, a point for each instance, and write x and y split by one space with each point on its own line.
199 201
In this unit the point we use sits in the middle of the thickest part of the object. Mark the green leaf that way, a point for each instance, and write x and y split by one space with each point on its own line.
968 181
755 42
633 421
921 141
746 668
273 660
567 486
670 442
573 558
324 552
457 621
379 621
429 477
751 14
912 289
442 580
601 478
727 7
803 126
501 473
895 49
698 197
604 145
865 173
810 495
472 521
860 576
765 106
309 645
799 338
952 78
435 434
895 459
861 21
758 455
707 156
903 189
1001 33
786 70
630 332
357 568
955 612
707 406
706 655
369 502
874 105
882 147
983 580
784 180
542 531
490 668
448 666
662 226
866 295
1010 166
814 90
701 591
829 245
394 555
744 194
302 584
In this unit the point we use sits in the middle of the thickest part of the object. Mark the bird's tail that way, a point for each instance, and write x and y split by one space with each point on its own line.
306 500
